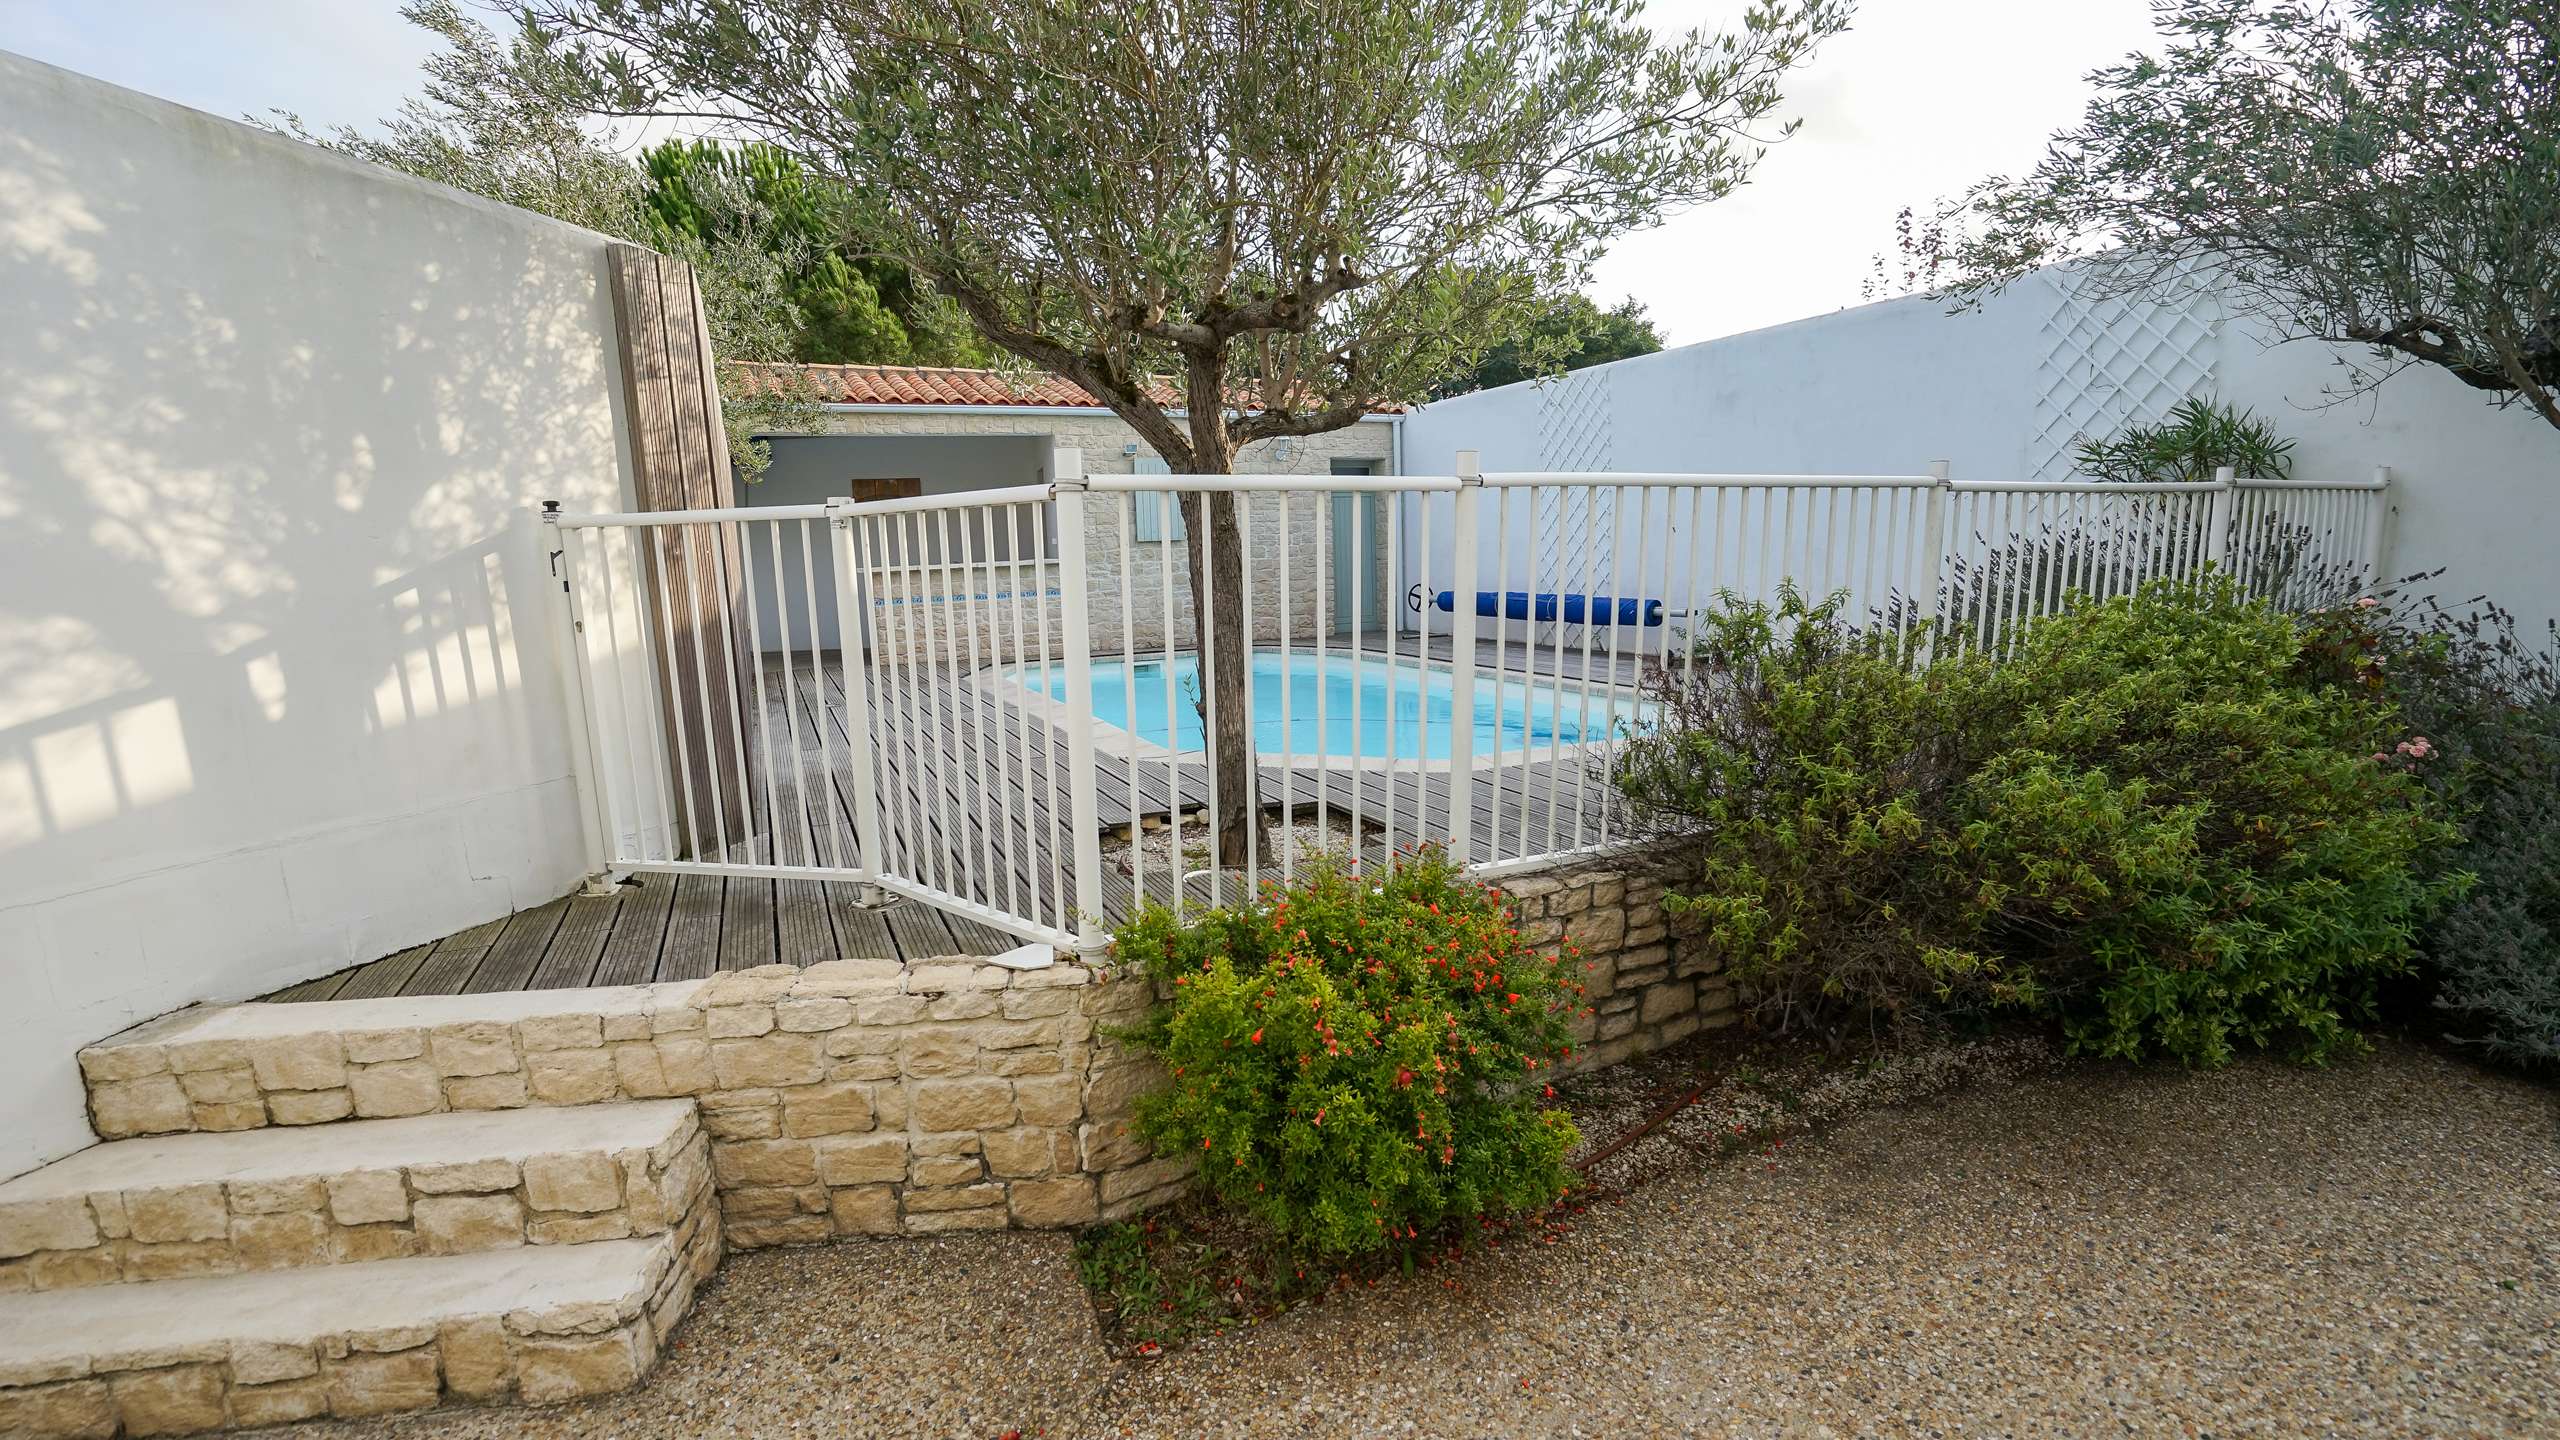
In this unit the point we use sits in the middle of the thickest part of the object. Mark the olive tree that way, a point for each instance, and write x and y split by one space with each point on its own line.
1229 220
2381 173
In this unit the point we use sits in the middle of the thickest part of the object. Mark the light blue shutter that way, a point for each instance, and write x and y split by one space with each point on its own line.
1159 515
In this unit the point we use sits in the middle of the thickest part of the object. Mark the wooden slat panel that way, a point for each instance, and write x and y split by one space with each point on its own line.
680 460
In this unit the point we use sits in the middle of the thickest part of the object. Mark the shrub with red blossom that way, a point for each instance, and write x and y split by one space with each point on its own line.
1360 1057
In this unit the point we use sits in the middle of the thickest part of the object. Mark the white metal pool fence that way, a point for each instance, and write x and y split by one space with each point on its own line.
902 693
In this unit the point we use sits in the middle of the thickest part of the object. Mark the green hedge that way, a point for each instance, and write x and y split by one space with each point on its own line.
2149 821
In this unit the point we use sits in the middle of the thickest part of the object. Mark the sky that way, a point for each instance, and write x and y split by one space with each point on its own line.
1917 101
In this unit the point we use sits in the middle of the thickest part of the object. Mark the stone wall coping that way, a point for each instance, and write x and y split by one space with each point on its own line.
259 1020
869 979
836 979
292 1152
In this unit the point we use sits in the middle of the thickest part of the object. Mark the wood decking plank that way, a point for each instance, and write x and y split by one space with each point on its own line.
385 976
861 932
639 931
804 931
453 960
973 784
579 944
976 937
920 931
692 948
325 987
511 961
746 924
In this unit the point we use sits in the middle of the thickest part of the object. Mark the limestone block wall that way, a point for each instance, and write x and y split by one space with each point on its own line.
1652 983
853 1097
859 1097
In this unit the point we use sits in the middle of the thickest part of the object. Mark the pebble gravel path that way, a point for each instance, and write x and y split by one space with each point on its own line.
2371 1249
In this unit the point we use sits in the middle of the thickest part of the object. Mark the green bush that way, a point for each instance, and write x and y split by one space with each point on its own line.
1361 1057
2146 821
2483 710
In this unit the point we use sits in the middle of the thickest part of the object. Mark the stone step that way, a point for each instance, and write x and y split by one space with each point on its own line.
175 1357
243 1067
179 1206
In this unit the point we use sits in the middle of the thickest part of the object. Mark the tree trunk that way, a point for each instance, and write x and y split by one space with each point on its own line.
1225 636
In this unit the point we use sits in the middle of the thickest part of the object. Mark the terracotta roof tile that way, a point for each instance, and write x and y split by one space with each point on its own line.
940 385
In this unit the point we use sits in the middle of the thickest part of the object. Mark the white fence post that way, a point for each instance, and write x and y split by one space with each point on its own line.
855 668
2377 543
596 824
1462 656
1933 536
1084 804
2217 523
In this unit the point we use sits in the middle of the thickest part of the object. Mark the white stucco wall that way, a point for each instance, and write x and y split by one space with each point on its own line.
1890 387
275 685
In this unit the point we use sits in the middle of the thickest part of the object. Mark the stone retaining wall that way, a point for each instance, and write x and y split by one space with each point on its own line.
866 1097
1653 983
857 1098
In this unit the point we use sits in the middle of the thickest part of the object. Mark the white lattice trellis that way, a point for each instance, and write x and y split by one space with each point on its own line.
1576 431
2109 363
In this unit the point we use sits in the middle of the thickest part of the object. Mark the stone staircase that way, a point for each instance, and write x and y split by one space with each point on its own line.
349 1209
353 1207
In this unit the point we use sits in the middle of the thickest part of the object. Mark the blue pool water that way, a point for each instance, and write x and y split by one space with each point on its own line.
1404 710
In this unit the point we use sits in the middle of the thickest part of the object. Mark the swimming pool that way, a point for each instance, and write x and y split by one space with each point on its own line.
1404 709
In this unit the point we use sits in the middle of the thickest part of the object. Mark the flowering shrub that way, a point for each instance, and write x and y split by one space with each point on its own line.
1357 1060
2484 706
2144 822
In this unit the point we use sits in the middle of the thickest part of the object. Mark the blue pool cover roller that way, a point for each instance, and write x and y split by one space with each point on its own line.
1547 606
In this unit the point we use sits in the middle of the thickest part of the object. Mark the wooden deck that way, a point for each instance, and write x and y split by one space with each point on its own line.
980 780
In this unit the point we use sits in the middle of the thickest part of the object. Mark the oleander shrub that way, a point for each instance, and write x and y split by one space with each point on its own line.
2482 704
1362 1056
2146 821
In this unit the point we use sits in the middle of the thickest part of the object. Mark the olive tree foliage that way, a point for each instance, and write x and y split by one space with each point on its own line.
2381 173
492 119
1229 220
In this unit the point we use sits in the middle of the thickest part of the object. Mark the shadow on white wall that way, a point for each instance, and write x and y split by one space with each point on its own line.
274 674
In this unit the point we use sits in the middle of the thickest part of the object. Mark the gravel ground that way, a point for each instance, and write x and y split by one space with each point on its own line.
2369 1249
959 1336
1295 842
